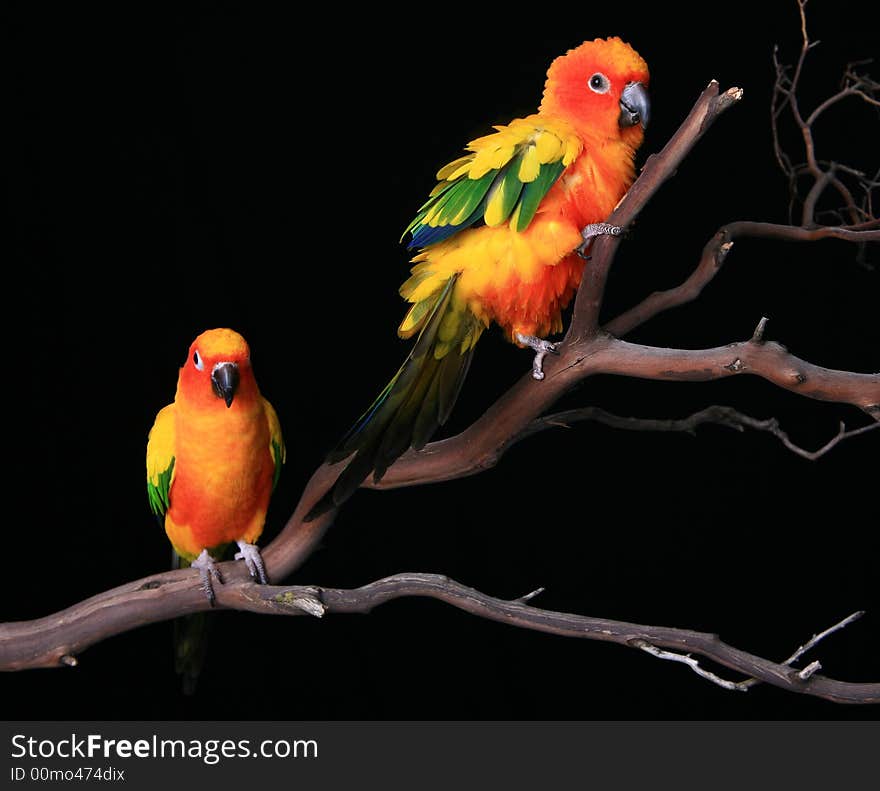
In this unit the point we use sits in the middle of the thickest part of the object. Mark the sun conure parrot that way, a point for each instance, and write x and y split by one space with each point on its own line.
502 238
214 456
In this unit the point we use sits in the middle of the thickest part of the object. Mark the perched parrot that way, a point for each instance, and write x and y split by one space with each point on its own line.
214 456
503 238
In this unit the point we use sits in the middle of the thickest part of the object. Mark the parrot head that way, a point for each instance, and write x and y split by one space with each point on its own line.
217 369
600 87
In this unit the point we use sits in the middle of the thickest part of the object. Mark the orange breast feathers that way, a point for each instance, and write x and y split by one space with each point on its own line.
523 280
223 476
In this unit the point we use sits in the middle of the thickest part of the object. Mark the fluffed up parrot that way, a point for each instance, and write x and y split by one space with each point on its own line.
214 456
503 238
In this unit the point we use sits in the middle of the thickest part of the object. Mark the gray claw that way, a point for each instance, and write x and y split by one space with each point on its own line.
542 348
250 553
593 230
207 569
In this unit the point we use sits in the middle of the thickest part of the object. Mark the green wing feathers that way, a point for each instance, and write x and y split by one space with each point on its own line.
503 179
276 440
160 460
158 491
416 401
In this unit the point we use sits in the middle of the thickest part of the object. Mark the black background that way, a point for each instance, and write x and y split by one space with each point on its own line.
228 164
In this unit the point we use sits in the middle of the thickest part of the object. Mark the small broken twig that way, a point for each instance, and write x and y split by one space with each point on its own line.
744 686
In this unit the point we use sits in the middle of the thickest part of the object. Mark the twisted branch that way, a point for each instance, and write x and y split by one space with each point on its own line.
164 593
715 415
853 84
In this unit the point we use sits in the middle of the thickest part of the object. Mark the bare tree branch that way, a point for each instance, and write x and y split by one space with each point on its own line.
658 168
810 644
482 445
715 254
853 84
45 643
717 415
692 663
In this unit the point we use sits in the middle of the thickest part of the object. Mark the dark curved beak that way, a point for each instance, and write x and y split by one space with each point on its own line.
224 380
635 106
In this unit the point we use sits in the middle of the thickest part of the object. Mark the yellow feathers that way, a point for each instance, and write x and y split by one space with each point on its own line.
539 140
450 172
160 449
530 165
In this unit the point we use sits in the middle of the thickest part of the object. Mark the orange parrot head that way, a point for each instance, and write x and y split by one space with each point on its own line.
600 87
217 373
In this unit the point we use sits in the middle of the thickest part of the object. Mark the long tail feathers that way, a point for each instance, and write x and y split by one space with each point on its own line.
190 642
415 402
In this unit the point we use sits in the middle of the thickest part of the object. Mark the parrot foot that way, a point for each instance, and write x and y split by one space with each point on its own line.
593 230
542 348
207 569
250 553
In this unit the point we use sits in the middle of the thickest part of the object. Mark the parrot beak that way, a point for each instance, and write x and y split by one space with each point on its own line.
635 107
224 380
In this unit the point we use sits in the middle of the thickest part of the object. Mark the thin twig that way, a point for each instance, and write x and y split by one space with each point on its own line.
773 427
658 168
811 643
809 670
785 88
818 638
717 415
529 596
715 254
692 663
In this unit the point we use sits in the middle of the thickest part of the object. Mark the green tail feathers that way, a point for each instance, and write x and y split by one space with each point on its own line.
190 648
415 402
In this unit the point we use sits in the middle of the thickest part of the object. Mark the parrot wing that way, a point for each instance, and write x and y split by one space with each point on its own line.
160 460
504 178
279 452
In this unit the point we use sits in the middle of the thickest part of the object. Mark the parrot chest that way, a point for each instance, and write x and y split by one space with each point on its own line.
223 477
533 275
593 186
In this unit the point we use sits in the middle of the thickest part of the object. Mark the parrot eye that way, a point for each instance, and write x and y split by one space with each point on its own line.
197 362
599 83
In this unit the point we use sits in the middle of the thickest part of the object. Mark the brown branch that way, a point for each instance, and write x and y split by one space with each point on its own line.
714 256
658 168
806 130
854 84
481 446
47 642
825 177
714 415
806 647
851 90
784 95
